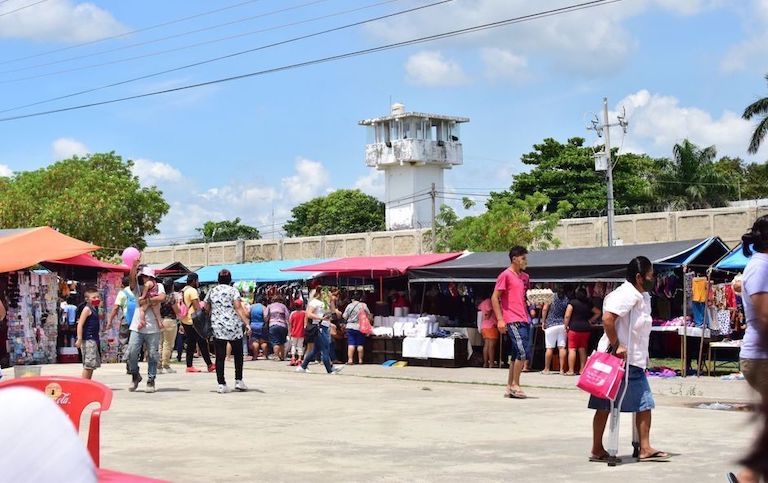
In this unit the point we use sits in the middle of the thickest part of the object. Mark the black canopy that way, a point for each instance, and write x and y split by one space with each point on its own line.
576 264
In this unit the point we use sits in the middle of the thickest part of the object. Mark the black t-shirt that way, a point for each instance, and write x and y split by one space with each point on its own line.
582 312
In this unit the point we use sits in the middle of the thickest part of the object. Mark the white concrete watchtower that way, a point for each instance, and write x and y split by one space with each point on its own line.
413 149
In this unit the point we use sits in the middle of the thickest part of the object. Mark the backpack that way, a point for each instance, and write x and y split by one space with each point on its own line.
183 309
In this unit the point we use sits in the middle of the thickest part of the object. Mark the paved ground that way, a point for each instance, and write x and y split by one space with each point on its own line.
372 423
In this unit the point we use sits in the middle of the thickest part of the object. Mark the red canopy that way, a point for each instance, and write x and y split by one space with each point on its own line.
375 266
24 248
88 260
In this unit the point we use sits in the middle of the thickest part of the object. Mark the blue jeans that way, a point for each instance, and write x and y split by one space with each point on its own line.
135 342
322 344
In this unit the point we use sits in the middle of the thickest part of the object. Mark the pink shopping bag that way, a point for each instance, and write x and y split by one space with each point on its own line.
602 375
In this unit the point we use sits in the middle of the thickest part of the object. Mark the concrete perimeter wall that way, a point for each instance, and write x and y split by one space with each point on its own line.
727 223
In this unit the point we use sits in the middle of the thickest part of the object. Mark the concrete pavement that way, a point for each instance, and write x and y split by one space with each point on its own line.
372 423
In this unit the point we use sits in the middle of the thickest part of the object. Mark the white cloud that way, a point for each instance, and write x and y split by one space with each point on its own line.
502 64
431 69
570 42
5 171
657 122
154 172
58 20
255 203
311 180
64 148
372 183
753 50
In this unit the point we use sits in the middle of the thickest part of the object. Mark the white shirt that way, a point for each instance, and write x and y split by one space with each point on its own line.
152 325
633 310
317 306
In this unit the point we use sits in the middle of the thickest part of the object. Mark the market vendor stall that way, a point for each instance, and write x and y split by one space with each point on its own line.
598 269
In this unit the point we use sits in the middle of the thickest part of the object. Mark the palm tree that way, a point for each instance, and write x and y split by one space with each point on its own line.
757 108
691 178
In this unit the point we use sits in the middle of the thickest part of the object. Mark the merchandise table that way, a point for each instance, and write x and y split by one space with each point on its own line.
715 347
446 351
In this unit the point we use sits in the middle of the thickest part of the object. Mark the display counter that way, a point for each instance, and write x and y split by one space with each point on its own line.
435 352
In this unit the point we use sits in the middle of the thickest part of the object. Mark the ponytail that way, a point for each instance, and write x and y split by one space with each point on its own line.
756 239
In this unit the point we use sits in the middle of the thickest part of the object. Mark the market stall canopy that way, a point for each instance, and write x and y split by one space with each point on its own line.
734 261
260 272
573 264
88 260
23 248
375 266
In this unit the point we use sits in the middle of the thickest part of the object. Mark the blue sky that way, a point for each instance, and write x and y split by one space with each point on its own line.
257 147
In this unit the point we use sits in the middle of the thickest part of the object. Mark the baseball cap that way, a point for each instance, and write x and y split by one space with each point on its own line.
298 302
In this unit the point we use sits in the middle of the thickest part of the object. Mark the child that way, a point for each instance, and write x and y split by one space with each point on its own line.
88 328
296 328
148 291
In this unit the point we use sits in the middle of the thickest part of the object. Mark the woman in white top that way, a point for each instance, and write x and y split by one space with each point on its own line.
319 315
229 322
629 308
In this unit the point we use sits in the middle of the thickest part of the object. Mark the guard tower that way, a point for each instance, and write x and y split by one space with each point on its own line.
413 149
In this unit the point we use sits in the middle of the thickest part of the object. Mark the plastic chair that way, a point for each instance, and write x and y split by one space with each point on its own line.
72 395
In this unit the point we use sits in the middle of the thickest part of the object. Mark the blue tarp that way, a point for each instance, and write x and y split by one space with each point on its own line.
735 261
258 272
701 255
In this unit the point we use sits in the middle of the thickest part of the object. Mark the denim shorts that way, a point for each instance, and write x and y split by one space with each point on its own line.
355 338
518 333
278 334
638 398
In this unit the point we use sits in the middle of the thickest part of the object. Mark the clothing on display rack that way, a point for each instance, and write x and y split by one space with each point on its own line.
31 315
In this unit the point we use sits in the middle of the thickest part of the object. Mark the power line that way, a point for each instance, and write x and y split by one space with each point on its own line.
395 45
22 8
148 42
125 34
242 52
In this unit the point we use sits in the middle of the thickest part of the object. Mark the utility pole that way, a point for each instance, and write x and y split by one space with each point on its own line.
600 129
433 195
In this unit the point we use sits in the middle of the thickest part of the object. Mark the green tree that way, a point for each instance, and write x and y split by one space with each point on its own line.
566 172
95 198
227 230
518 222
343 211
755 181
758 109
693 178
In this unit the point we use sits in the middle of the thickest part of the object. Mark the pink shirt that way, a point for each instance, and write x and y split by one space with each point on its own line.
513 300
489 318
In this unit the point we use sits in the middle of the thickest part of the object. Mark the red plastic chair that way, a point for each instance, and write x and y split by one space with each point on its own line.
72 394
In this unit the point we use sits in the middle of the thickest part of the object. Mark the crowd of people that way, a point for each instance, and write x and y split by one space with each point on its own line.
160 320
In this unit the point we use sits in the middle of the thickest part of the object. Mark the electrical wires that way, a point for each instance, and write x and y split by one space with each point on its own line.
332 58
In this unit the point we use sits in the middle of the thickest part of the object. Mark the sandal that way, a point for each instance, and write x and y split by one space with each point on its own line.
604 458
515 394
656 456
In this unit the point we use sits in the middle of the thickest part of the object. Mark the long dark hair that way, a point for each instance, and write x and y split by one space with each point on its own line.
756 237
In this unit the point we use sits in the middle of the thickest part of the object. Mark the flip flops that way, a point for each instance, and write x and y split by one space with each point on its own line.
515 394
599 459
655 457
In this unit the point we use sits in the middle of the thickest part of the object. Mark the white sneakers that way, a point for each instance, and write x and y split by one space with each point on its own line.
336 369
301 369
239 386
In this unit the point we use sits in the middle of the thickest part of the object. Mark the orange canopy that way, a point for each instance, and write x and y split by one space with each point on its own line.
24 248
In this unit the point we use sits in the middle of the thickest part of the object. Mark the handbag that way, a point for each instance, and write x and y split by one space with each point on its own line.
364 322
201 321
602 375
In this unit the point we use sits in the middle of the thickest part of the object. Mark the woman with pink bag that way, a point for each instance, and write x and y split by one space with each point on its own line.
628 308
